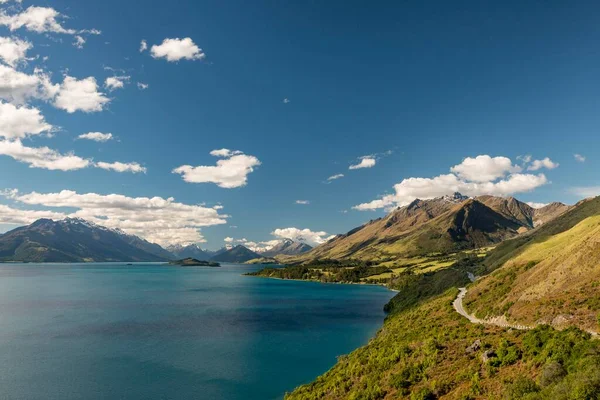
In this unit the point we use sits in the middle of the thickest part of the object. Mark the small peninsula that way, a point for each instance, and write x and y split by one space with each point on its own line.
192 262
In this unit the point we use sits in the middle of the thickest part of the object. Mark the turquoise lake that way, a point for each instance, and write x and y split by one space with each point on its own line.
150 331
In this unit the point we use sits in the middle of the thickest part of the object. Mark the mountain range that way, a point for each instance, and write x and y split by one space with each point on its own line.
237 254
440 225
75 240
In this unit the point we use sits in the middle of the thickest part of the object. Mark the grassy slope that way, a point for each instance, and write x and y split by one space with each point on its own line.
420 354
551 275
552 281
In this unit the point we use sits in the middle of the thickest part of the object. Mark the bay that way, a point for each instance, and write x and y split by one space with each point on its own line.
150 331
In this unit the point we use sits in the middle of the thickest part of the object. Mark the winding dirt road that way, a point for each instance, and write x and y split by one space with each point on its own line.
458 306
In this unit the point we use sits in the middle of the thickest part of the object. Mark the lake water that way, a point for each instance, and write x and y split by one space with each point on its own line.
149 331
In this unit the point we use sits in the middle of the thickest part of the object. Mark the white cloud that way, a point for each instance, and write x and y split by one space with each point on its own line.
230 172
304 202
586 191
122 167
79 41
13 50
286 101
536 205
426 188
334 177
302 235
96 136
143 46
365 162
484 168
80 95
15 216
142 86
20 122
42 157
116 82
225 153
35 19
18 87
539 164
177 49
157 219
579 158
228 239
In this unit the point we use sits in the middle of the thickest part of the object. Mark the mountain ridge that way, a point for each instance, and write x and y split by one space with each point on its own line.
75 240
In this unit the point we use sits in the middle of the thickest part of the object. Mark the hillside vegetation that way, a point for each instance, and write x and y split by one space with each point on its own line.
552 276
427 351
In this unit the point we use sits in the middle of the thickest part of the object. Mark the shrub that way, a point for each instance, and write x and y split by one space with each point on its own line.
520 388
552 373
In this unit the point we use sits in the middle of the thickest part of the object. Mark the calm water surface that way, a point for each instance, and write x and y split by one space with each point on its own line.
149 331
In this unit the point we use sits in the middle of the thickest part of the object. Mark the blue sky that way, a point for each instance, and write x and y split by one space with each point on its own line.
412 88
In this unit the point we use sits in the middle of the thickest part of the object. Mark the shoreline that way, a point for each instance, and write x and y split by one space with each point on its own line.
325 283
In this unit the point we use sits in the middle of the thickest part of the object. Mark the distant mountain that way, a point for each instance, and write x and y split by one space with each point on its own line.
75 240
190 251
287 247
238 254
443 224
212 253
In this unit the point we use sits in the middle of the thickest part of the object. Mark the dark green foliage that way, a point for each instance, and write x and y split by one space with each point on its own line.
521 388
551 373
506 354
414 288
325 273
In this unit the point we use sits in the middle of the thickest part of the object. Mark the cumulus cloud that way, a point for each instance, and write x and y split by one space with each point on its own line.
228 240
20 122
302 235
225 153
35 19
42 157
334 177
142 86
143 46
304 202
115 82
177 49
536 205
122 167
13 50
286 101
15 216
80 95
365 162
579 158
18 87
230 172
79 41
463 180
96 136
484 168
544 163
156 219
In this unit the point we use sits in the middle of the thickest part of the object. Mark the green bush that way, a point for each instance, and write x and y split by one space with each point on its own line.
520 388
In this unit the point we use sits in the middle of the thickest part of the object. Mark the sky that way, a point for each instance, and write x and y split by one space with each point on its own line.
218 123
